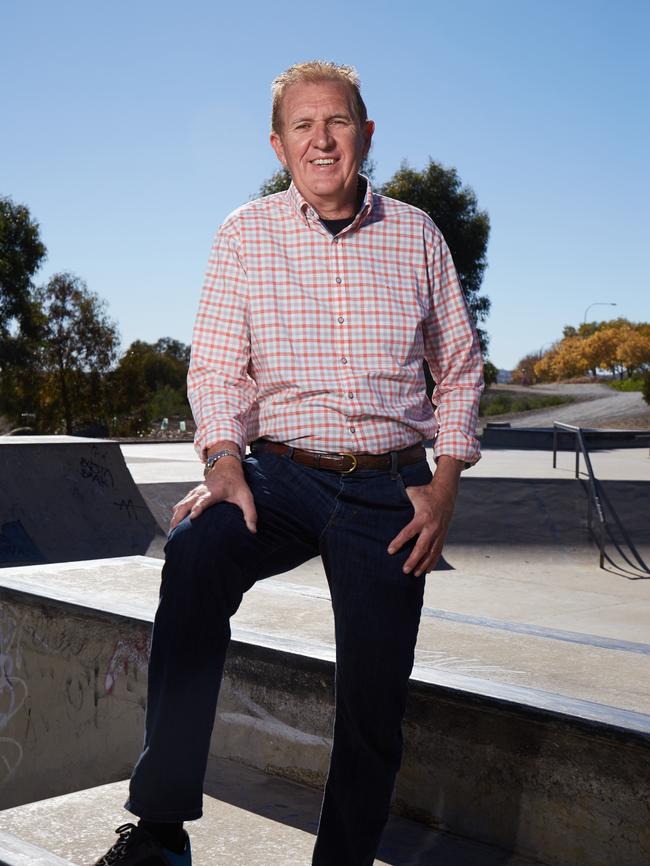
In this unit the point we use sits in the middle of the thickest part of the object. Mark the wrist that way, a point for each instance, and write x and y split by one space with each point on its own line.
224 454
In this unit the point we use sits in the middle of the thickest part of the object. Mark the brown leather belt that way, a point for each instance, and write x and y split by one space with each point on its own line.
342 462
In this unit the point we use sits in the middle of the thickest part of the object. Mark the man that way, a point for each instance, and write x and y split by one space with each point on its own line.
318 308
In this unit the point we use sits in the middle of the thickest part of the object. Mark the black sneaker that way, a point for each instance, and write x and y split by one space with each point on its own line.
137 847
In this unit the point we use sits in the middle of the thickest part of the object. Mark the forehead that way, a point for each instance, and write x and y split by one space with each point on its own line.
316 98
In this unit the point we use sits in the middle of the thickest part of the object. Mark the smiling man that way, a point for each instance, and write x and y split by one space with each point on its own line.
318 308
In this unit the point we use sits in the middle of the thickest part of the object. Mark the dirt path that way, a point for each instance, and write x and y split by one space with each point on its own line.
596 406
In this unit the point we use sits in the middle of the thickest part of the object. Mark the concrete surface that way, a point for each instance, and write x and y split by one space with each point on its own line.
66 498
520 599
249 817
563 780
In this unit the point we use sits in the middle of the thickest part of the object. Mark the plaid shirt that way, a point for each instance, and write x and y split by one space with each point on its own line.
318 341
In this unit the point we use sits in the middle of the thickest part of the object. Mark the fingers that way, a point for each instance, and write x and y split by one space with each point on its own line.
201 497
426 550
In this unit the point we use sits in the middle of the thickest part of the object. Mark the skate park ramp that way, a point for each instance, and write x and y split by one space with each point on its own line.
65 498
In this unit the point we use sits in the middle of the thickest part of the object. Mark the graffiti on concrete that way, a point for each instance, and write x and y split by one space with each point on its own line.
133 654
96 472
129 507
13 690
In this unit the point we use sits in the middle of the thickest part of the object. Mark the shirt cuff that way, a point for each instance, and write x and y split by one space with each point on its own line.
459 445
205 437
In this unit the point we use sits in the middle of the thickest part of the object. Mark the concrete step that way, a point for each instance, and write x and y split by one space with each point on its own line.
249 817
14 851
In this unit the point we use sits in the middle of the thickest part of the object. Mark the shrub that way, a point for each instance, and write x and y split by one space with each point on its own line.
646 388
635 384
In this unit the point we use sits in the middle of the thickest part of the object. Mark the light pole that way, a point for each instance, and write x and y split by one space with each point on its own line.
597 304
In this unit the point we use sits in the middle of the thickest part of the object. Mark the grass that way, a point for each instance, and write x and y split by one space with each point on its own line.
626 384
505 403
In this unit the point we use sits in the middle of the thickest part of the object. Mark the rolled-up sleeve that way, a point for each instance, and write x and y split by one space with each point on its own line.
452 350
220 390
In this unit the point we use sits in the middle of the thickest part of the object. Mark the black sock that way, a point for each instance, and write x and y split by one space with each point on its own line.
170 835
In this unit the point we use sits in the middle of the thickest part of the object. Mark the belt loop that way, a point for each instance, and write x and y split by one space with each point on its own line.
393 465
290 452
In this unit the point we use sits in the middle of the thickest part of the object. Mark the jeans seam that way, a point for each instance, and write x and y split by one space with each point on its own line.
335 511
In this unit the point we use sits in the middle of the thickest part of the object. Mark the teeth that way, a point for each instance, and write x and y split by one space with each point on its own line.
323 161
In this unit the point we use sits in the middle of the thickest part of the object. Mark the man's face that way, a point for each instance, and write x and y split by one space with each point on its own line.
323 145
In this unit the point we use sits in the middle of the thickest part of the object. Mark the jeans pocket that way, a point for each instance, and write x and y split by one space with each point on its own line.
414 475
401 489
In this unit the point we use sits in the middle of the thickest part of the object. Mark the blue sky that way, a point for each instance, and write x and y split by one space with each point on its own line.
131 129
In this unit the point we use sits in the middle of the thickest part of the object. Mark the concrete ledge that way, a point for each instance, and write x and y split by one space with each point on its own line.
563 781
15 852
87 504
541 438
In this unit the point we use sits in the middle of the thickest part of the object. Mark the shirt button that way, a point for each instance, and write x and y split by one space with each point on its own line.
353 429
344 360
341 320
338 280
351 395
335 241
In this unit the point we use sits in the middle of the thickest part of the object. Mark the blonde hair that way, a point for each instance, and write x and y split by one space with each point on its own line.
314 72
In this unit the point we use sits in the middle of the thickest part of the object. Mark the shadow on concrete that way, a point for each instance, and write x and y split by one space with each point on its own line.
404 843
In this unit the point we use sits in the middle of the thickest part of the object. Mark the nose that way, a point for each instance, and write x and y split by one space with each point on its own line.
323 138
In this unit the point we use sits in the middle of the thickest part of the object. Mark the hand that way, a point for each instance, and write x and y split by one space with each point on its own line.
434 507
224 483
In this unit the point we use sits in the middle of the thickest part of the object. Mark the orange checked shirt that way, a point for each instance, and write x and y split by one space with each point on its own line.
318 341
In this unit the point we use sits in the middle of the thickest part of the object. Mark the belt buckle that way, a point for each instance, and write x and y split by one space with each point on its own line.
354 463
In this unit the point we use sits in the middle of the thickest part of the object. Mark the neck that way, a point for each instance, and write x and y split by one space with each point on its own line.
336 207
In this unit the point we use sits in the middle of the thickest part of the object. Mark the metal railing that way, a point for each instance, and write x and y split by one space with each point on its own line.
594 502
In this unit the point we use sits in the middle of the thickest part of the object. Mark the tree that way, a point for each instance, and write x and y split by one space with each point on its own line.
21 254
278 182
78 347
525 371
454 209
618 345
149 383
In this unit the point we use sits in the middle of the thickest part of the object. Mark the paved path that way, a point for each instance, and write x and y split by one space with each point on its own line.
596 406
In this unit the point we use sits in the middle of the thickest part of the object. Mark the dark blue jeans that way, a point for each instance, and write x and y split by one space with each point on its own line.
210 563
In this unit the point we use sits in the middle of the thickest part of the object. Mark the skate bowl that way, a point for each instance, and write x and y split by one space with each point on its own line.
559 779
65 499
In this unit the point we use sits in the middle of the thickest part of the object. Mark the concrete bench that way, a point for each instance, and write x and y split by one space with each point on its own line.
560 780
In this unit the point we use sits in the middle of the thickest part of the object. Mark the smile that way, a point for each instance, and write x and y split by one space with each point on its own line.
328 161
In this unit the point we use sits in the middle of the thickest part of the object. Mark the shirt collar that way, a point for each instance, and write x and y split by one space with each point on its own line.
306 212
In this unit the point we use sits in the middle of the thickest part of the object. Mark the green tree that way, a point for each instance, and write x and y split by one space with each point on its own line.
278 182
21 254
149 383
79 345
438 191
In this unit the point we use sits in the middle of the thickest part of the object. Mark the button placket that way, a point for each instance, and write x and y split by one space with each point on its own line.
340 305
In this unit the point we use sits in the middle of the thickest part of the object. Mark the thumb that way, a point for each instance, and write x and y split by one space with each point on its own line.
247 505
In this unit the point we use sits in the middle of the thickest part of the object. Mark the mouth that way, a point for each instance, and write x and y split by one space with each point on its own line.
323 161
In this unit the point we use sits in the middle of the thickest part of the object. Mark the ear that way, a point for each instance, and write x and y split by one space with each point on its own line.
368 132
278 147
